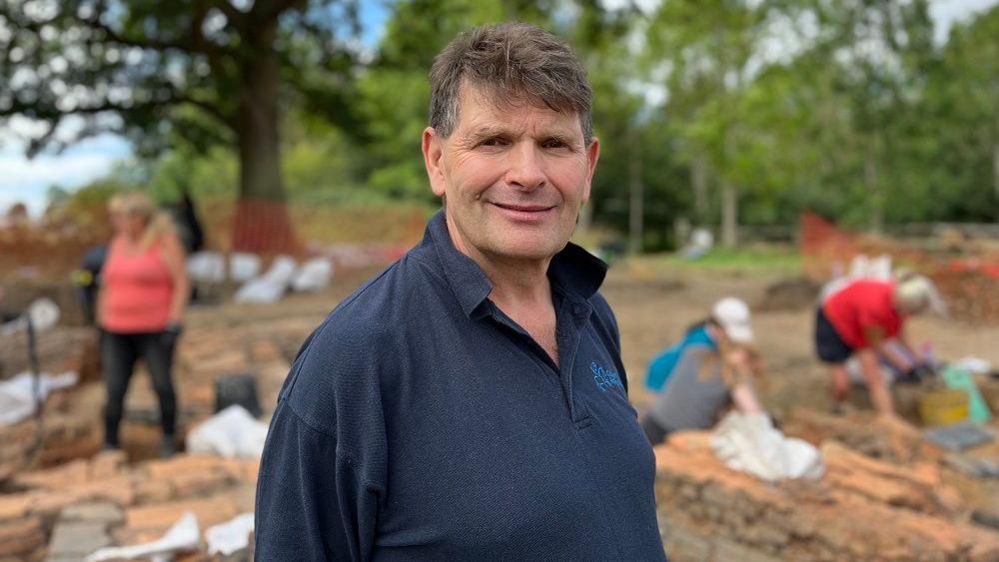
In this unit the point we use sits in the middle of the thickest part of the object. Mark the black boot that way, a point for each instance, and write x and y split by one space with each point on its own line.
168 447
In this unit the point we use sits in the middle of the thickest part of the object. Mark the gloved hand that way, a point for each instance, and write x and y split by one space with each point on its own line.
916 373
925 371
171 334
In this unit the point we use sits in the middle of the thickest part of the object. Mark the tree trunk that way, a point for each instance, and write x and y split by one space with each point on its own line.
995 175
730 214
873 192
262 224
636 206
699 179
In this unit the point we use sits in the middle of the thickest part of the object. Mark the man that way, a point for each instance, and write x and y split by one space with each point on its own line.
469 402
860 318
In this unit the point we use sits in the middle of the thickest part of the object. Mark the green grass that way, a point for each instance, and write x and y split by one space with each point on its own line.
769 259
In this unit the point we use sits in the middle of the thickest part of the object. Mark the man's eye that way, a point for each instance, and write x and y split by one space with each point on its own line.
554 143
494 141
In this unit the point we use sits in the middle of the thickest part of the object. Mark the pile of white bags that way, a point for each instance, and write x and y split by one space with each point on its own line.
750 443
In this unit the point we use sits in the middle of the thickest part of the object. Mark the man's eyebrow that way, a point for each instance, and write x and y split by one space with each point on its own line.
488 131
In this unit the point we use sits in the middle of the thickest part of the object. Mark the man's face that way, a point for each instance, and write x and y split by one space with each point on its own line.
514 177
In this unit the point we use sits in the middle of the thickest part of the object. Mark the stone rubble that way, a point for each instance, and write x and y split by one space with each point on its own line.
67 512
887 496
863 509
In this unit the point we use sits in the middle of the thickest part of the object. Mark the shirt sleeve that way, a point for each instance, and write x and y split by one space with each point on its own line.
312 503
322 474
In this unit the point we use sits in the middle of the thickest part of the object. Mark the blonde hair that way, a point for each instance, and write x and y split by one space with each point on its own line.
731 374
915 293
137 203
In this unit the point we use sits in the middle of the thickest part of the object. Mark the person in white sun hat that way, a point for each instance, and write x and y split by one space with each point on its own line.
710 370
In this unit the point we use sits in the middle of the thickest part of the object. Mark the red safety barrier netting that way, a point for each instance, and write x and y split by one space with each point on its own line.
49 248
968 277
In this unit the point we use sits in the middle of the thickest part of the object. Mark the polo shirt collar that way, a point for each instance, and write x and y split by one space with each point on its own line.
573 270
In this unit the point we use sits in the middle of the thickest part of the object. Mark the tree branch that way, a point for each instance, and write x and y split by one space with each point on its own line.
234 15
197 43
208 107
47 112
269 11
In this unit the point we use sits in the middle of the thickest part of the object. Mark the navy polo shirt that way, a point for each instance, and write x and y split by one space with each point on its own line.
419 422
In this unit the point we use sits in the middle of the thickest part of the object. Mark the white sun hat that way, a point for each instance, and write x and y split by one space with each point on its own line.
732 315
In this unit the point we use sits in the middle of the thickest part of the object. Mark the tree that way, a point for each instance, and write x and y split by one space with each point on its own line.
707 50
959 122
208 71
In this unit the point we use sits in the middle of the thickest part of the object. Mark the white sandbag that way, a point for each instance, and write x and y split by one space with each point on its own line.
231 433
863 267
230 537
206 267
16 399
749 443
243 266
282 269
314 275
183 536
271 286
260 291
975 365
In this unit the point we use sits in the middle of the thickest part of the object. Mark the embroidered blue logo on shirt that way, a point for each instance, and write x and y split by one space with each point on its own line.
605 379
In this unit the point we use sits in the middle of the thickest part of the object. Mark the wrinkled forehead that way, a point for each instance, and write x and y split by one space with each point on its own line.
493 106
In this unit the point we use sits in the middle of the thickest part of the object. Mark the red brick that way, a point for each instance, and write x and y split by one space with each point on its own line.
106 464
70 474
212 511
21 537
151 490
15 506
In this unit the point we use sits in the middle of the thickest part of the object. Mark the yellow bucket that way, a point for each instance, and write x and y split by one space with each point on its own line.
944 407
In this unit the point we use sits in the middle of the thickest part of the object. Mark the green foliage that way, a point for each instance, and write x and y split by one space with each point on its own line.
846 108
744 259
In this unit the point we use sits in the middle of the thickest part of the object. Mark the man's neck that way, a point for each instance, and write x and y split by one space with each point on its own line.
518 284
521 289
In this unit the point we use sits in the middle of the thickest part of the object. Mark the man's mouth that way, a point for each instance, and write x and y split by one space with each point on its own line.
521 208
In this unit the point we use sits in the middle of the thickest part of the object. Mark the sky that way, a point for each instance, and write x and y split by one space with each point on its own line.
27 181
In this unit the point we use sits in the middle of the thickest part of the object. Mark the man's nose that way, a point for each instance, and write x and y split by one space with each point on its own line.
526 168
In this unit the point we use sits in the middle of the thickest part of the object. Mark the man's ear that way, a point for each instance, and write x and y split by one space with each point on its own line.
592 155
433 152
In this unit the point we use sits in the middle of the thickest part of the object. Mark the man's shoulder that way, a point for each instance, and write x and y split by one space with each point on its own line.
602 311
384 296
353 345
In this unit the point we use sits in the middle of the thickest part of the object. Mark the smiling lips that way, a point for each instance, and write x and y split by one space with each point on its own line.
524 212
520 208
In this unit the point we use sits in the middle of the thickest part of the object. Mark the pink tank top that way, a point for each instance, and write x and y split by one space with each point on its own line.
137 290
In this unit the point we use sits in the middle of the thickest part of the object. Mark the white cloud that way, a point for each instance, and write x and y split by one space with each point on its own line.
945 13
23 180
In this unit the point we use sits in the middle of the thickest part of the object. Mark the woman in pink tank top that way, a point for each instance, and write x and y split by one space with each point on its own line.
140 308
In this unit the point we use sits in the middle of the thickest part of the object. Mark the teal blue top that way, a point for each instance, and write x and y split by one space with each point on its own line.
663 364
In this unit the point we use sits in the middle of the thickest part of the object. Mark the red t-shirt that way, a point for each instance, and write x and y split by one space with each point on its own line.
138 290
863 304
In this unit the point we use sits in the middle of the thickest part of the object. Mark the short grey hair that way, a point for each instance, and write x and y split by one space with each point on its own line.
510 61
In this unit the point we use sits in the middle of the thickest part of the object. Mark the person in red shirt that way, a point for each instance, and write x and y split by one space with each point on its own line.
859 318
140 307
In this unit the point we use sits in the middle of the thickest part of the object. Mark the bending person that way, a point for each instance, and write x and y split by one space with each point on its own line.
859 319
708 376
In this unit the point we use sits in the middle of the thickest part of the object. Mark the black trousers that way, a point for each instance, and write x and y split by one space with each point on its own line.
119 353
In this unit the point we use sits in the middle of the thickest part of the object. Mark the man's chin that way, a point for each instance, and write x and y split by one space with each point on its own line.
527 250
